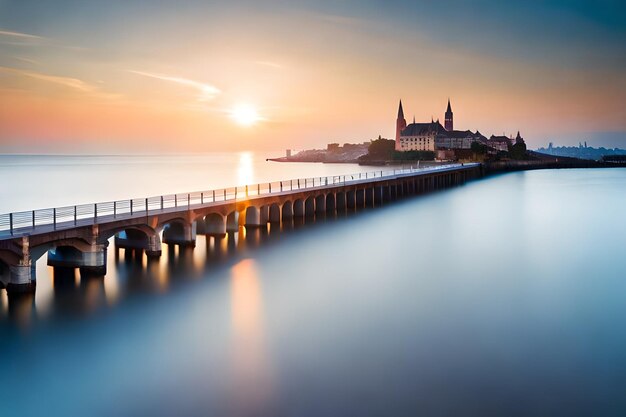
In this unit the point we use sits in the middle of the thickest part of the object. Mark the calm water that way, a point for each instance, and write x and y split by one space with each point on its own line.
55 181
503 297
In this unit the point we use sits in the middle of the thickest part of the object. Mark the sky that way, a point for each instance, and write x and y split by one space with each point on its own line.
148 76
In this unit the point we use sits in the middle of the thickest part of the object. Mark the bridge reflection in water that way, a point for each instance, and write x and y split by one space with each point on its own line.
200 242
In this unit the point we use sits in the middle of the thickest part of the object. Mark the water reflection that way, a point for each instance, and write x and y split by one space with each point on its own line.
62 292
251 379
351 317
21 309
245 169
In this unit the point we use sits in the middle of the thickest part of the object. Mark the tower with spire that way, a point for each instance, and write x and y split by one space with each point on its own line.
449 123
400 125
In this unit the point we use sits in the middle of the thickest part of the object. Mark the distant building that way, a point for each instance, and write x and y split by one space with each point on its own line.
419 136
288 153
458 139
435 137
499 143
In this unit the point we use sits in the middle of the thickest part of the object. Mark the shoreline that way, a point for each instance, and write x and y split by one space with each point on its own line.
284 159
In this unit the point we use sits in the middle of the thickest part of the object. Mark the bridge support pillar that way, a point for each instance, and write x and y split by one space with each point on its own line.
91 261
21 278
18 275
137 240
177 233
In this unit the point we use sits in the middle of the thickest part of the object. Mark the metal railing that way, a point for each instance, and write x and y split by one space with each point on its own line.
59 218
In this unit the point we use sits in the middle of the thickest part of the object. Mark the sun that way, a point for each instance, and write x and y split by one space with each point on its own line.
245 115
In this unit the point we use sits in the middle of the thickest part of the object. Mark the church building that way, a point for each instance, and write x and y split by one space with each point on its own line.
433 136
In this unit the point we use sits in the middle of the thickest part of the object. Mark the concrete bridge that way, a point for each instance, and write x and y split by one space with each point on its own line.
78 236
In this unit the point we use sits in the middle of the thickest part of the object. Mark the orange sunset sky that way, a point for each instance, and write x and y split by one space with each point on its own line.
143 76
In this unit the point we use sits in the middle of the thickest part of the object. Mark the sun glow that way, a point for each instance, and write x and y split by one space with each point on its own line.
245 115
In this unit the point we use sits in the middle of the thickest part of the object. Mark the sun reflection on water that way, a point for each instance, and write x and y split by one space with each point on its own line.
251 368
245 169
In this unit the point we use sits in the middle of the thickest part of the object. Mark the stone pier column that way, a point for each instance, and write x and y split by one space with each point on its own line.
90 260
94 263
21 278
22 273
178 233
153 249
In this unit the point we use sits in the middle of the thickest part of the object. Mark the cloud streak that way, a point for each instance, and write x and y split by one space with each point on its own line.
69 82
205 91
20 35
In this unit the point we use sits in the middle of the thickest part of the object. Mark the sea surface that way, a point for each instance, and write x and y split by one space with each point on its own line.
502 297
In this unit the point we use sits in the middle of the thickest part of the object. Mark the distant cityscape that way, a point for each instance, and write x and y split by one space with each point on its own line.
432 141
582 151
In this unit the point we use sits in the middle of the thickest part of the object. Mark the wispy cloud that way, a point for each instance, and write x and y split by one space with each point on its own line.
10 37
20 35
74 83
69 82
205 91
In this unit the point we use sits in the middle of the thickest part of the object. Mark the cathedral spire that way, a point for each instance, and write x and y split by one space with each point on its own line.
448 120
400 111
400 125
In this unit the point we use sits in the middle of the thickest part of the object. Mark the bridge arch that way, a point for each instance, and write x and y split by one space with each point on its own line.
138 237
274 213
214 224
320 204
180 232
135 229
253 216
340 201
330 202
287 211
309 206
298 208
90 259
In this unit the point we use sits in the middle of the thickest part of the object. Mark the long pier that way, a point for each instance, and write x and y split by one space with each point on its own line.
78 236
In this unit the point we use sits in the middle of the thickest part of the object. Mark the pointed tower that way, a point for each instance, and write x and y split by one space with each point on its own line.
400 125
449 124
